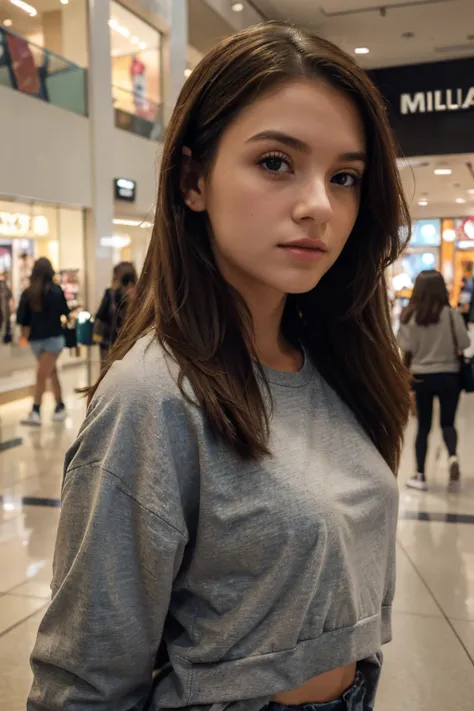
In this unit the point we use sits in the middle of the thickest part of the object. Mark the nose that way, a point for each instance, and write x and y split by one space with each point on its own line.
313 202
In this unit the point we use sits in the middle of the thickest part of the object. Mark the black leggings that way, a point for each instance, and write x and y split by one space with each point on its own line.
447 387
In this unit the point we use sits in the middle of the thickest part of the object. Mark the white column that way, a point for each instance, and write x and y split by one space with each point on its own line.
101 118
178 42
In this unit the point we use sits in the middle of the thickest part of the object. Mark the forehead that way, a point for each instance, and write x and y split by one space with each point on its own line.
312 111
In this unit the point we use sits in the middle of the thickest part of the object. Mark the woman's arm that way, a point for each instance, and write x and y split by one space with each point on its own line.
114 567
462 335
104 311
121 538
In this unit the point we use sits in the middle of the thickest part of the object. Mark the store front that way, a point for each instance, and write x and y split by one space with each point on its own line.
136 58
431 110
28 231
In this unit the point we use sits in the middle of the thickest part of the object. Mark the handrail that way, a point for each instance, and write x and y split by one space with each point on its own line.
135 93
41 73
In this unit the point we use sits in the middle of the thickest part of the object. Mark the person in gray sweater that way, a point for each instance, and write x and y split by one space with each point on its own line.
229 508
432 335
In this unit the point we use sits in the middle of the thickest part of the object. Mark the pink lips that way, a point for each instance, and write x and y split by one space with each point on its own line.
305 250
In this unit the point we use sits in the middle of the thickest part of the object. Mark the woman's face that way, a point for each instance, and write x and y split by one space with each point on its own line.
283 193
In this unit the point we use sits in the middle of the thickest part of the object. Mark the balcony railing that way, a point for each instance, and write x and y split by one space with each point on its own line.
137 114
38 72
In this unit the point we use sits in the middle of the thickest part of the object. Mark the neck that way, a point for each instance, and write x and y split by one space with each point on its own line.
269 346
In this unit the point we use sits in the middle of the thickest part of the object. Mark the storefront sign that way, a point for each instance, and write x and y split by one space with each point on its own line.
125 189
430 106
468 227
16 224
438 100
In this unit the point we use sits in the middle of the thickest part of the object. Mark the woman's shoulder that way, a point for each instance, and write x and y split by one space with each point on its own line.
146 376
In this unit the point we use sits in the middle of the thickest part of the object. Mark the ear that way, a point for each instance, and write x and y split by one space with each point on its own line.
192 183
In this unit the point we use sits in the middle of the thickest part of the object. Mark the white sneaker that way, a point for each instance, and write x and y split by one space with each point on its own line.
417 482
33 419
59 415
454 474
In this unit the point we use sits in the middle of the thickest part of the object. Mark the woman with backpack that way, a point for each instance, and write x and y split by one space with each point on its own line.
42 307
432 335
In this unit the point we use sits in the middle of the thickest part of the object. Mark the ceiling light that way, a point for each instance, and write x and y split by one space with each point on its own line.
361 50
449 235
460 201
126 223
113 23
29 9
8 23
134 40
188 72
143 45
422 203
64 2
237 6
443 171
471 191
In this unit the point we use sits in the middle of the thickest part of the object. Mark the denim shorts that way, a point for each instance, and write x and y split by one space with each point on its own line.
53 345
360 696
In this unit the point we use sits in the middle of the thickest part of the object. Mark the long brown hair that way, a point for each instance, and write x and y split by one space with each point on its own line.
344 322
40 281
429 298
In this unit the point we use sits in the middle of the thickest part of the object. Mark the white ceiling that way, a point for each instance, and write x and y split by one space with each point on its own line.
441 191
441 27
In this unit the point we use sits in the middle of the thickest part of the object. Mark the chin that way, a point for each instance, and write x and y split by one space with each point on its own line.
301 285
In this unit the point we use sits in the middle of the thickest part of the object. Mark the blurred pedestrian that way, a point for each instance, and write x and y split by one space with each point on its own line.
229 508
111 313
42 306
432 334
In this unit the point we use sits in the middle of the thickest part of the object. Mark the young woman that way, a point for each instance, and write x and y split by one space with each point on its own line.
41 307
230 505
432 335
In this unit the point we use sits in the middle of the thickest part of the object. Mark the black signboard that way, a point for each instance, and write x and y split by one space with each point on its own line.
125 189
431 106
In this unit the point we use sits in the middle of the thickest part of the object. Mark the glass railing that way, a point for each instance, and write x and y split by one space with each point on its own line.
38 72
137 114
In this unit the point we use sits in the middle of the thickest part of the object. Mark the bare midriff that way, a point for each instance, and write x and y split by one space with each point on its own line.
320 689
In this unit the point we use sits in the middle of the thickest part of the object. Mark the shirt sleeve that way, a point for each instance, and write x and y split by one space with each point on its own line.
121 540
114 567
404 338
103 312
23 315
462 335
64 308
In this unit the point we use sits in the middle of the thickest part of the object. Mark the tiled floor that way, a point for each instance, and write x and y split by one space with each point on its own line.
428 667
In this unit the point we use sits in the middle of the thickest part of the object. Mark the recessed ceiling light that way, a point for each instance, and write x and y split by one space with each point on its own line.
471 191
237 6
29 9
460 201
361 50
143 45
134 40
443 171
64 2
188 72
8 23
422 203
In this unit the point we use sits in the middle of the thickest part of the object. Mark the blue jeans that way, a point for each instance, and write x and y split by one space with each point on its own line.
360 696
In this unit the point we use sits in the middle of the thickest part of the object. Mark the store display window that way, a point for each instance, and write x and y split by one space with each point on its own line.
136 71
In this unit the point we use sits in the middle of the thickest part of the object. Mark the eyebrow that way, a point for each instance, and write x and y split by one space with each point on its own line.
301 146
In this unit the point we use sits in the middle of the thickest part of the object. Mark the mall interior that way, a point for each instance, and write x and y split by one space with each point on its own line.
87 88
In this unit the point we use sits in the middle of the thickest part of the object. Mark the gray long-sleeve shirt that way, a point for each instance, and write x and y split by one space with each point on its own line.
257 575
433 347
